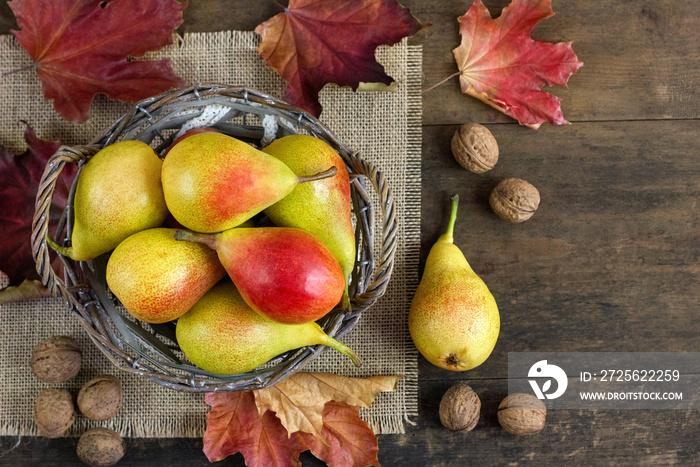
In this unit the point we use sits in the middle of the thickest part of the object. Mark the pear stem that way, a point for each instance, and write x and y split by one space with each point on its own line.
449 235
321 175
62 250
187 236
342 348
345 301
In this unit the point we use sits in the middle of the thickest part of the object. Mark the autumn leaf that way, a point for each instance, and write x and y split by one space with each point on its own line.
234 425
19 182
81 48
26 290
314 43
351 442
502 66
299 400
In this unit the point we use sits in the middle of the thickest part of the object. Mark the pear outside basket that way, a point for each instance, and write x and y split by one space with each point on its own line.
150 350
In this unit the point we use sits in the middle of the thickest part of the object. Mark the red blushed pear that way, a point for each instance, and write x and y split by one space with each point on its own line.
453 319
157 278
192 132
324 207
213 182
283 273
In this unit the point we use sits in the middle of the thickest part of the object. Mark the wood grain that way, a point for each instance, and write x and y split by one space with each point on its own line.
631 52
570 437
610 261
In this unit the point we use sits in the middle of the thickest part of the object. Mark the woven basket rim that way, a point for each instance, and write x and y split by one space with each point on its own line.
122 341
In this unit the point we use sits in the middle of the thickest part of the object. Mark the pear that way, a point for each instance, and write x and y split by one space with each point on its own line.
221 334
283 273
453 319
214 182
158 278
187 134
118 193
322 208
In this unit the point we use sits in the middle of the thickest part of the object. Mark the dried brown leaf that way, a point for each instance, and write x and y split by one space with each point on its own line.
299 400
24 291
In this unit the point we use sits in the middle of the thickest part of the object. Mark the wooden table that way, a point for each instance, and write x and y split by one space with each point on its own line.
610 261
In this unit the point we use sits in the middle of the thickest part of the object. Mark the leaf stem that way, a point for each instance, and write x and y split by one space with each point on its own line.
24 68
442 82
284 8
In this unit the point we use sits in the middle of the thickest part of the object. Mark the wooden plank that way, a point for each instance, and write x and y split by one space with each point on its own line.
611 259
640 57
570 437
7 19
640 60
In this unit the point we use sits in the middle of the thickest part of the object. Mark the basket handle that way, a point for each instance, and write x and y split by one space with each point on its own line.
389 231
42 217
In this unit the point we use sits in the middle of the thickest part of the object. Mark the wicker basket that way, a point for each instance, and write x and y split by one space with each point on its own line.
150 350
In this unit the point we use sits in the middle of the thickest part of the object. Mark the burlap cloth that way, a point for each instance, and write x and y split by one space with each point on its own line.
385 127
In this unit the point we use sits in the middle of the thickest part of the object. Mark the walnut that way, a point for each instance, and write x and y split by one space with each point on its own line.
100 398
459 408
101 447
522 414
54 412
514 200
475 148
56 359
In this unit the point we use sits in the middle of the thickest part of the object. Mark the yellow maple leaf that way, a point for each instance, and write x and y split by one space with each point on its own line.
298 401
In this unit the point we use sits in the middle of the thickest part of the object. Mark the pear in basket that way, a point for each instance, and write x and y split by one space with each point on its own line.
283 273
192 132
324 207
221 334
118 193
158 278
214 182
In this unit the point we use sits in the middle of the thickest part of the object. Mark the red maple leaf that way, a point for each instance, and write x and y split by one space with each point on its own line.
19 182
234 425
81 49
502 66
351 443
314 43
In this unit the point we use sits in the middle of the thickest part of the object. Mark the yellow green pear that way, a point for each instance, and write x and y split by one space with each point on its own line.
453 319
118 193
323 208
158 278
214 182
222 334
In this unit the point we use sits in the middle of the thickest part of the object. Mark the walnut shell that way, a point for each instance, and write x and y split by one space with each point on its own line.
101 397
101 447
56 359
522 414
514 200
459 408
475 148
54 412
